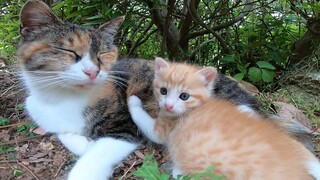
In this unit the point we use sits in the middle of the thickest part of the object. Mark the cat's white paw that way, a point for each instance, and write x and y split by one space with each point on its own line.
134 101
76 143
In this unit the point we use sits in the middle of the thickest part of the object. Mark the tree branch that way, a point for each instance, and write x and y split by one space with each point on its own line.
246 10
200 46
297 10
197 19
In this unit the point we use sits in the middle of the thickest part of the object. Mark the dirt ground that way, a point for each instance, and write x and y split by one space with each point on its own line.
25 153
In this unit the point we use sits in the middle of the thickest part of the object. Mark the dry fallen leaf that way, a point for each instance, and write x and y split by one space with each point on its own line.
139 154
39 131
290 113
46 146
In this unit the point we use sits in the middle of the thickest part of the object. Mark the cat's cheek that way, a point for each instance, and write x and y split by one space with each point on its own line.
102 76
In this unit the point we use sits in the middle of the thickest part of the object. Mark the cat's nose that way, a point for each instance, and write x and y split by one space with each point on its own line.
168 107
92 74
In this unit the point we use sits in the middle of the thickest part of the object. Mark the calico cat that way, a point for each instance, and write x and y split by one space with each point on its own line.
73 92
79 91
239 145
238 141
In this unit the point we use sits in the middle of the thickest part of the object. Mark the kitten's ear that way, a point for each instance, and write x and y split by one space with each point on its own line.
111 27
160 64
209 74
36 15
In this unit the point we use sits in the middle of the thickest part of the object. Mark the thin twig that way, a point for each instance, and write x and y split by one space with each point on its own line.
20 140
28 170
13 125
59 169
14 85
128 170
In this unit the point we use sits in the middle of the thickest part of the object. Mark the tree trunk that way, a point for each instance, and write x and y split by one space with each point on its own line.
304 47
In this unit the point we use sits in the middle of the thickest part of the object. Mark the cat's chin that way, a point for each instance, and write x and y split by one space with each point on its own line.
85 87
168 114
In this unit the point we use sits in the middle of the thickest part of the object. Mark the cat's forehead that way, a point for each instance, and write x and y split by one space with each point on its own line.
79 39
180 75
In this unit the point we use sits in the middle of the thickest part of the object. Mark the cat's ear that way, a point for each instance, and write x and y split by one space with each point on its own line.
111 27
36 15
160 64
208 74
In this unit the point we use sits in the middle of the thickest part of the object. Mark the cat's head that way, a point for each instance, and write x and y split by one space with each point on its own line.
54 54
180 88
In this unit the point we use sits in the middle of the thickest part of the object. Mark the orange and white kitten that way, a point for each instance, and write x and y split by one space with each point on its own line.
199 133
178 89
239 145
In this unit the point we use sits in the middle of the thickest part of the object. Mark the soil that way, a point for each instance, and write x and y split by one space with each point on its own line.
26 153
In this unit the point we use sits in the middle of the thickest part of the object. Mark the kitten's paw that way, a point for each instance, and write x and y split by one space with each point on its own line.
134 101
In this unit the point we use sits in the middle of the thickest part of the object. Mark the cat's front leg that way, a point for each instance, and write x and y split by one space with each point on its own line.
142 119
98 162
76 143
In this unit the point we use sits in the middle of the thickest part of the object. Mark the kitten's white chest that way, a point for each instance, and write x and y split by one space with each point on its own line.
60 116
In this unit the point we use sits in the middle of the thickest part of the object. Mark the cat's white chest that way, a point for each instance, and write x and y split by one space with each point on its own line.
61 116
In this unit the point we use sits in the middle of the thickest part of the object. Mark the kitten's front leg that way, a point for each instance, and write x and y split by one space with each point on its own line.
76 143
98 162
142 119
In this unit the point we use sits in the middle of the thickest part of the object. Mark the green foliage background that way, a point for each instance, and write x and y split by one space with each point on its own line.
259 45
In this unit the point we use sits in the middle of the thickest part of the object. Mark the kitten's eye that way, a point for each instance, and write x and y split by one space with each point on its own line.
163 91
184 96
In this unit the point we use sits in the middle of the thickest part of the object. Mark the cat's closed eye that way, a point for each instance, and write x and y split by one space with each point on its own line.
77 56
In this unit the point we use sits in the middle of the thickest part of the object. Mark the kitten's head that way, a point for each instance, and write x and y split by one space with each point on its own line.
54 54
180 88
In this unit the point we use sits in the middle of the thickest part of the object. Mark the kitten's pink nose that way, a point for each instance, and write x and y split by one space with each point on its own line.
168 107
92 74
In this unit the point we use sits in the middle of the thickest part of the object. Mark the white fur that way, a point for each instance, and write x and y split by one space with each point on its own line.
142 119
245 108
57 114
172 97
314 168
97 163
59 109
75 143
176 172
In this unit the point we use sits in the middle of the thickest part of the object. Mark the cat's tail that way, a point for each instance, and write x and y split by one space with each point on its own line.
297 130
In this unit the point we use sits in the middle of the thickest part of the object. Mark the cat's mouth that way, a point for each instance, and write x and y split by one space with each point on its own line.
87 85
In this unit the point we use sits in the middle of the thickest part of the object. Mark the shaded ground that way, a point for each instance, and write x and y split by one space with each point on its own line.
27 154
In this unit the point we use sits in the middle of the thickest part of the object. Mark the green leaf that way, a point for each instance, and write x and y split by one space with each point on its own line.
149 170
255 74
239 76
17 172
228 58
265 65
4 121
267 75
206 174
20 106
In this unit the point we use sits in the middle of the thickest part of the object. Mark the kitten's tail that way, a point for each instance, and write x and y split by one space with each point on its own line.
300 132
